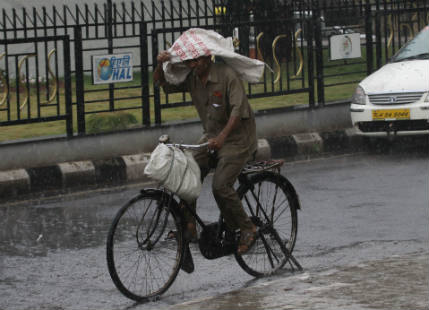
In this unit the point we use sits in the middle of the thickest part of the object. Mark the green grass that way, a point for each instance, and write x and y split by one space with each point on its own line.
100 94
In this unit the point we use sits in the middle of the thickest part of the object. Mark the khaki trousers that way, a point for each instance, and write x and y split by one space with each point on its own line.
229 162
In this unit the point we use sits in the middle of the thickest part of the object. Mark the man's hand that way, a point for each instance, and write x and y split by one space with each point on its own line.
218 142
163 57
158 75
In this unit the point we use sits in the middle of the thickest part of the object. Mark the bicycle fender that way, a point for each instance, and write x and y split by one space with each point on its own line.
290 187
286 183
174 205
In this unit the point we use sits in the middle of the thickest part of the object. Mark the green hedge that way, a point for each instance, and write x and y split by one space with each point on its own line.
102 122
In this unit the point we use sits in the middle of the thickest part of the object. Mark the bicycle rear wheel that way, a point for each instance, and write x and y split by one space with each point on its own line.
145 247
272 206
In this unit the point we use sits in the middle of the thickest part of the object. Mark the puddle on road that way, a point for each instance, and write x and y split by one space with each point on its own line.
237 300
34 231
377 285
393 283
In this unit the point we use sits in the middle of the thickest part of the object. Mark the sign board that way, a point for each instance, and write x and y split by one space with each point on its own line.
345 46
115 68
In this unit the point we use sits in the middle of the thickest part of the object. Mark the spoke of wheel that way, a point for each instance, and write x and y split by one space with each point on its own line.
267 248
259 195
258 205
133 268
125 252
136 273
274 203
162 271
254 259
146 277
285 208
153 276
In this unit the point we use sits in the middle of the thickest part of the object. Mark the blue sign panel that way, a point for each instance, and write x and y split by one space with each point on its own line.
112 68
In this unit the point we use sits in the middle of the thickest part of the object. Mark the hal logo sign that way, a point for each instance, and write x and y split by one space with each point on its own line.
112 68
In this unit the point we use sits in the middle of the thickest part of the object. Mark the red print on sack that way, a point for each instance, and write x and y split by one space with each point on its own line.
217 94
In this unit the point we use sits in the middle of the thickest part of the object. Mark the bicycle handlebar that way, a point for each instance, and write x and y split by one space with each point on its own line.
165 139
188 146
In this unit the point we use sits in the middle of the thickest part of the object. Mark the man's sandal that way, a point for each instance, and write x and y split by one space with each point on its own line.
247 240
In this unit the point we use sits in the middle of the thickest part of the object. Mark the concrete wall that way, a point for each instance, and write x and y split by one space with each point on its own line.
273 124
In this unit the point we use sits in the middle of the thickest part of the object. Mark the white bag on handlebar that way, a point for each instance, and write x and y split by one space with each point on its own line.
175 169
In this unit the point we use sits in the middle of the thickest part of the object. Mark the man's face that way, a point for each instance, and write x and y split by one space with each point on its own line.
199 65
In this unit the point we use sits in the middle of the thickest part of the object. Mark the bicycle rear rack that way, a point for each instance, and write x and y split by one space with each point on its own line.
259 166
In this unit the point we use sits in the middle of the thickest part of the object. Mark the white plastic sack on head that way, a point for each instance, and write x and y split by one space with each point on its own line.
197 42
176 170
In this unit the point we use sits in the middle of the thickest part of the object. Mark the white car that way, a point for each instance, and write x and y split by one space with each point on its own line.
395 99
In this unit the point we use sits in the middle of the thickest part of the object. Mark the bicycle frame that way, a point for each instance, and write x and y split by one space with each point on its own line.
243 180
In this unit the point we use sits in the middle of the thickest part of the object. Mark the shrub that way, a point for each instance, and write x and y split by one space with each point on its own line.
110 122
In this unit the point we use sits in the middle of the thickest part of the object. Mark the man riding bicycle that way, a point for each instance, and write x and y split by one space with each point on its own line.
228 123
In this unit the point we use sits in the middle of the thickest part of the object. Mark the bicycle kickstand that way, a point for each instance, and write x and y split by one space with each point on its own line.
292 261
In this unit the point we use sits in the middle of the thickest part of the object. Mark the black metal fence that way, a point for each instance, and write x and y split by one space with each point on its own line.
385 26
283 80
17 106
292 37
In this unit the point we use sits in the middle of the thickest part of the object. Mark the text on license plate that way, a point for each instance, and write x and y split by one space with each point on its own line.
391 114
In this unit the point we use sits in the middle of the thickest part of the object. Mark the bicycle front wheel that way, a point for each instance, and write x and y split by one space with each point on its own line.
144 247
272 206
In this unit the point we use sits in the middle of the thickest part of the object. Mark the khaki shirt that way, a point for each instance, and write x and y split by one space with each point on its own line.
222 97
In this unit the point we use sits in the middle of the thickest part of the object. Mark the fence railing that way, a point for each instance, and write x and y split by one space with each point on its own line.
290 77
293 39
52 96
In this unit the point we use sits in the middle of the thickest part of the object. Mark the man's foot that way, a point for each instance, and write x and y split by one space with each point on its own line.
247 240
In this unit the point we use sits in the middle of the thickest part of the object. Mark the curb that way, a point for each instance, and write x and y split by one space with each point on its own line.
129 169
77 174
14 183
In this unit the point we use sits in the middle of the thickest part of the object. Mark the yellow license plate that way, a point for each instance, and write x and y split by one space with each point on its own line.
378 115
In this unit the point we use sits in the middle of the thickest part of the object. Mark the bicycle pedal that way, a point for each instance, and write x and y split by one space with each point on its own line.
187 263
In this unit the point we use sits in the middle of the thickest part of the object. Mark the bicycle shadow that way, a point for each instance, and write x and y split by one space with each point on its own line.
138 304
284 272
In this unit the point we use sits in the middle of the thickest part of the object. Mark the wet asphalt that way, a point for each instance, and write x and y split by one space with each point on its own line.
357 211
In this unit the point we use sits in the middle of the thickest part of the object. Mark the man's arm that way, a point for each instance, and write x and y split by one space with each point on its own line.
158 74
159 78
218 142
237 96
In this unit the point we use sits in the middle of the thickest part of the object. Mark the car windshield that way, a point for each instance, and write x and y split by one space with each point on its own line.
417 48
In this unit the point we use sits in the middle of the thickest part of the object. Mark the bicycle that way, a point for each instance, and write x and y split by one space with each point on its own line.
149 230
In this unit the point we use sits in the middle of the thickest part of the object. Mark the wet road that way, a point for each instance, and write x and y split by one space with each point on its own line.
355 208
